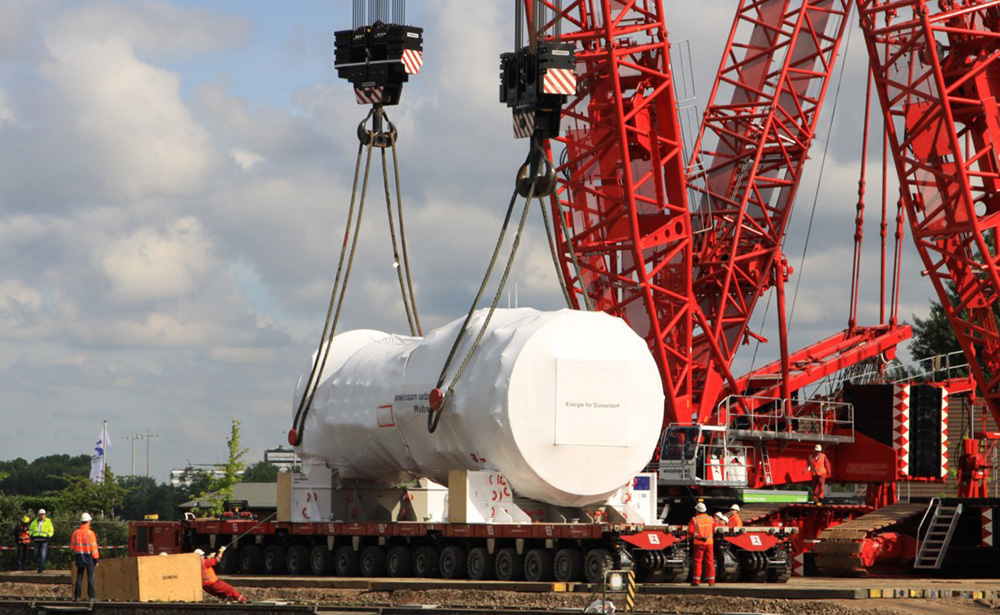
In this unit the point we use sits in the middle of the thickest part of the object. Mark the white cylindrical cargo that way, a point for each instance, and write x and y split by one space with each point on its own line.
566 405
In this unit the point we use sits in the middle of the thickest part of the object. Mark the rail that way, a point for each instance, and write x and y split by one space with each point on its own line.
775 418
928 516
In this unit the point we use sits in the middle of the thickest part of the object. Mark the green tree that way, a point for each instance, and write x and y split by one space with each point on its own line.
82 495
933 335
261 472
43 475
143 496
221 488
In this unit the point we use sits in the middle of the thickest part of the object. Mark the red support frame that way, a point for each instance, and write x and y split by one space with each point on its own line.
937 76
622 190
754 141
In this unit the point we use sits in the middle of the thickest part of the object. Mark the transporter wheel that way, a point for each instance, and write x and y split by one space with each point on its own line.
754 567
399 562
538 565
425 562
373 562
597 562
347 562
320 560
727 567
274 560
227 563
568 565
779 574
297 560
453 562
509 565
481 565
250 559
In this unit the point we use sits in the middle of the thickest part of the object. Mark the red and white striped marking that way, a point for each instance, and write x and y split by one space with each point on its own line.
901 427
944 432
559 81
799 565
987 527
369 96
412 61
524 124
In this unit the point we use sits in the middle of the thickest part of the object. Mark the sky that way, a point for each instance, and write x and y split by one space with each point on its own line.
174 181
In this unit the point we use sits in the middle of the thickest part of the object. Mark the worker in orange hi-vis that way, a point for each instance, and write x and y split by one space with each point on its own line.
83 542
819 467
701 529
211 583
734 516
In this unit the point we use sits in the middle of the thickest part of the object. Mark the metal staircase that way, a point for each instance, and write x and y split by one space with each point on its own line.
765 460
940 528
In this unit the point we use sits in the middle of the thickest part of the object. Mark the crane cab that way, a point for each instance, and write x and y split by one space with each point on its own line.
701 455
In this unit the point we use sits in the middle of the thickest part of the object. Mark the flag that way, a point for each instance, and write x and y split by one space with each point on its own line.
97 461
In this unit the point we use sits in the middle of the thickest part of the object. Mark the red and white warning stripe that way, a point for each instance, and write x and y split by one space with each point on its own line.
901 427
412 61
524 124
944 432
369 96
559 81
799 565
987 527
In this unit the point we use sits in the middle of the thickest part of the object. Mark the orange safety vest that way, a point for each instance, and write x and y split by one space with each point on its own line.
208 575
702 529
735 521
23 537
819 464
84 541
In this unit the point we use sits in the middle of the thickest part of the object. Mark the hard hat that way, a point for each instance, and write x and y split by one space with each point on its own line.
720 515
735 507
199 552
26 519
41 511
85 518
700 507
818 448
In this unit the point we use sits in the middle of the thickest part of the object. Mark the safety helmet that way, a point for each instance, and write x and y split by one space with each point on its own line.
700 507
735 507
85 518
25 519
719 515
818 448
41 511
199 552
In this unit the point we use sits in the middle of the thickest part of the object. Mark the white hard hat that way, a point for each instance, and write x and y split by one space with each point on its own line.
41 511
817 448
199 552
700 507
85 518
735 507
720 515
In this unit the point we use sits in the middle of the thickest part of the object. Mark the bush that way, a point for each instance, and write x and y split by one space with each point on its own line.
109 533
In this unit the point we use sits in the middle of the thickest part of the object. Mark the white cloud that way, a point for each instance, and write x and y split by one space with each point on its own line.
140 138
6 113
245 159
151 264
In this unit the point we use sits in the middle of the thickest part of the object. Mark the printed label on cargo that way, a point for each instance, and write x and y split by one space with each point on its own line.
592 403
411 399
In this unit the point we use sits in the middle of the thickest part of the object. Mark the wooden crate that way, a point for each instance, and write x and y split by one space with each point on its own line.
155 578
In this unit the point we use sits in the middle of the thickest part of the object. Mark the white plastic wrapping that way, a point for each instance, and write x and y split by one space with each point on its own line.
566 405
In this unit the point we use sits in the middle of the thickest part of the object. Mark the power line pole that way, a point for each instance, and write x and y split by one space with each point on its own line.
147 437
133 438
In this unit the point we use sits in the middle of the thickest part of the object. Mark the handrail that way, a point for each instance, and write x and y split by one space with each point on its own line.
935 503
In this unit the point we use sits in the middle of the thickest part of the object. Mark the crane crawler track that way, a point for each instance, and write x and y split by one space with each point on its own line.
839 550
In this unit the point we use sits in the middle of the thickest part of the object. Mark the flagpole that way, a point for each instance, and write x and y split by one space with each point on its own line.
106 447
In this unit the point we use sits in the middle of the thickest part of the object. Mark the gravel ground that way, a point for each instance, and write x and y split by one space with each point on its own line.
499 599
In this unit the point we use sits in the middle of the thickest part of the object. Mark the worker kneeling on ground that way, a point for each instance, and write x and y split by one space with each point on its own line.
211 583
702 533
819 466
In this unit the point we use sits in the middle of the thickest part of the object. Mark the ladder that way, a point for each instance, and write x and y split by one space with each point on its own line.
935 542
765 461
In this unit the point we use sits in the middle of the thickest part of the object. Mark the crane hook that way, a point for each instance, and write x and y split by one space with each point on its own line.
537 175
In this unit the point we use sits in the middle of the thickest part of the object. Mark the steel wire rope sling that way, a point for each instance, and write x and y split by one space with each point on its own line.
377 59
